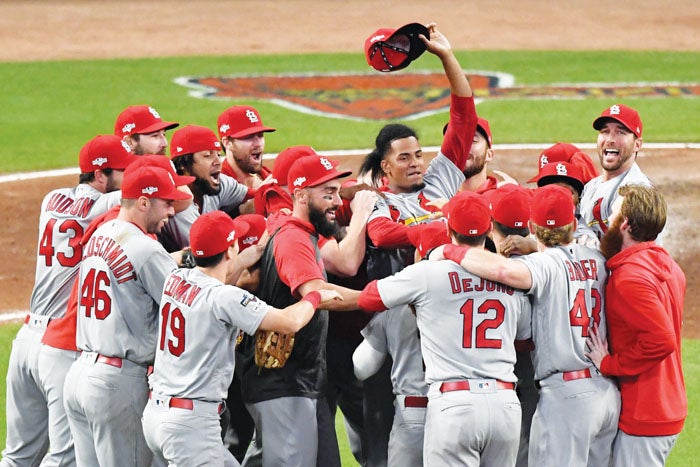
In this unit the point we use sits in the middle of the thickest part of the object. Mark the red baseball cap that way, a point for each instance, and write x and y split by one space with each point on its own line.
151 182
393 49
425 237
193 138
312 171
623 114
468 214
141 120
510 205
285 159
212 233
552 206
561 172
156 160
249 229
555 153
240 121
483 125
105 152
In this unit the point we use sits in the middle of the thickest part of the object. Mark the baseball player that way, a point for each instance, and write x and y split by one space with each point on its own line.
645 298
576 417
398 158
394 333
468 327
34 404
619 140
274 197
510 214
195 152
198 324
242 136
141 127
291 267
121 281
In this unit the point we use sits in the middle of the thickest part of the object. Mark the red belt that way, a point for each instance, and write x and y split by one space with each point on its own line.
450 386
113 361
578 374
415 401
186 404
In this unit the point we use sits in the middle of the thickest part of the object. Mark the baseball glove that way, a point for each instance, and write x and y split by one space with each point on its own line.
272 349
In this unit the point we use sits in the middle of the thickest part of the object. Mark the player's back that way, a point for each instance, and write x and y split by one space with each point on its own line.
568 288
65 214
198 326
121 282
467 324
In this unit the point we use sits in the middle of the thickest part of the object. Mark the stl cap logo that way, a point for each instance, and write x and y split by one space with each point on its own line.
615 110
543 160
125 146
561 170
149 190
231 236
326 163
99 161
299 181
224 128
252 116
154 113
128 127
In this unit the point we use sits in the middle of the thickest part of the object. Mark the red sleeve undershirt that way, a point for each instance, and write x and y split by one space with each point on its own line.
369 298
388 234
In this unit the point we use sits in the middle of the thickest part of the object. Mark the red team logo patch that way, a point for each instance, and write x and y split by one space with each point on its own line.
401 95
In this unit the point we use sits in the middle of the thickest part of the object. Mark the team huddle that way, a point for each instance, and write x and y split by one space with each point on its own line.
194 307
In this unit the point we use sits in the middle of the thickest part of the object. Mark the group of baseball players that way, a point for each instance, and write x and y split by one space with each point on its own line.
455 318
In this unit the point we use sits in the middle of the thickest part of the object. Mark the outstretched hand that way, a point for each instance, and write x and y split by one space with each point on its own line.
437 43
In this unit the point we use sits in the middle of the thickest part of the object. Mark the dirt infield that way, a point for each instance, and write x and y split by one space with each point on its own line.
85 29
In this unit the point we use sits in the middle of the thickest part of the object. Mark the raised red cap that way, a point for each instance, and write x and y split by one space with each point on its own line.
390 49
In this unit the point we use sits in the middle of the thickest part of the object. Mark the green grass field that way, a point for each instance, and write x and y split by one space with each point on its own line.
50 109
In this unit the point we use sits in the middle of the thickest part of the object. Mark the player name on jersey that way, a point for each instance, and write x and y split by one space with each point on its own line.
181 290
113 254
582 270
468 284
63 204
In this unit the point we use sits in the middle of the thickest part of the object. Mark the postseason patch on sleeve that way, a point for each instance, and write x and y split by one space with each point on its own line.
248 298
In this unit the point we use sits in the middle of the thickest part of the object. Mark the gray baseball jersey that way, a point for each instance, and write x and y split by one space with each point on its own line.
395 333
65 213
121 283
468 325
599 195
442 180
568 286
176 233
199 321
